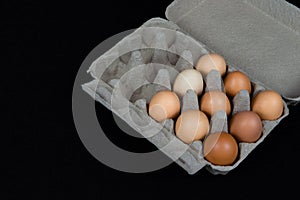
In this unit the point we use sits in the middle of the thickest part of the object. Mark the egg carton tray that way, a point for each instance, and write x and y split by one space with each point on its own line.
148 61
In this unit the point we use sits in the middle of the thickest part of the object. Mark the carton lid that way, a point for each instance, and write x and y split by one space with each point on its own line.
259 37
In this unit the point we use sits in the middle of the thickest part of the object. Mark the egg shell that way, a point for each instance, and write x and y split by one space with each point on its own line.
213 101
220 148
188 79
164 105
268 105
211 61
191 125
246 126
235 82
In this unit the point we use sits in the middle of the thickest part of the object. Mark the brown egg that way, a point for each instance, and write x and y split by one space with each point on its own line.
164 105
235 82
220 148
209 62
268 105
246 126
213 101
191 125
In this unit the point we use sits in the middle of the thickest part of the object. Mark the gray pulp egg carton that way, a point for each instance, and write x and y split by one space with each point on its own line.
258 37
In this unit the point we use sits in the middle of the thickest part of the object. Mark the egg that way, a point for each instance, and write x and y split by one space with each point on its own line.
220 148
209 62
235 82
191 125
164 105
246 126
213 101
188 79
268 105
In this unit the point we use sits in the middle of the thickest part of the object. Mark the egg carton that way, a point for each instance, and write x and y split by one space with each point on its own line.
148 61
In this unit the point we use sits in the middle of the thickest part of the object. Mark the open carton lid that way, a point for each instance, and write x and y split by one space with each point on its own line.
259 37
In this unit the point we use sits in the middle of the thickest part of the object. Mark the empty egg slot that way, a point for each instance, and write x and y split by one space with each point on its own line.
118 68
151 36
125 47
161 82
185 61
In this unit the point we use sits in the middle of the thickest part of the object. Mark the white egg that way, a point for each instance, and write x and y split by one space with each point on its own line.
188 79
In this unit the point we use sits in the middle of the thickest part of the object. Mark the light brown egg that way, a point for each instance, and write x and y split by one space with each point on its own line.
191 125
188 79
213 101
220 148
246 126
268 105
209 62
164 105
235 82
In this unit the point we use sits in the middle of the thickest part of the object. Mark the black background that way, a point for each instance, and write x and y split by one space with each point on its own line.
45 44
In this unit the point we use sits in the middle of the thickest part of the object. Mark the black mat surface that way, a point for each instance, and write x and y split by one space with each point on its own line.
44 46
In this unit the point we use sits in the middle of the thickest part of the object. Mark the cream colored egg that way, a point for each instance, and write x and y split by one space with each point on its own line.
209 62
191 125
188 79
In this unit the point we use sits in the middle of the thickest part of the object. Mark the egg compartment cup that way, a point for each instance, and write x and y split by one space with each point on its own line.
148 60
